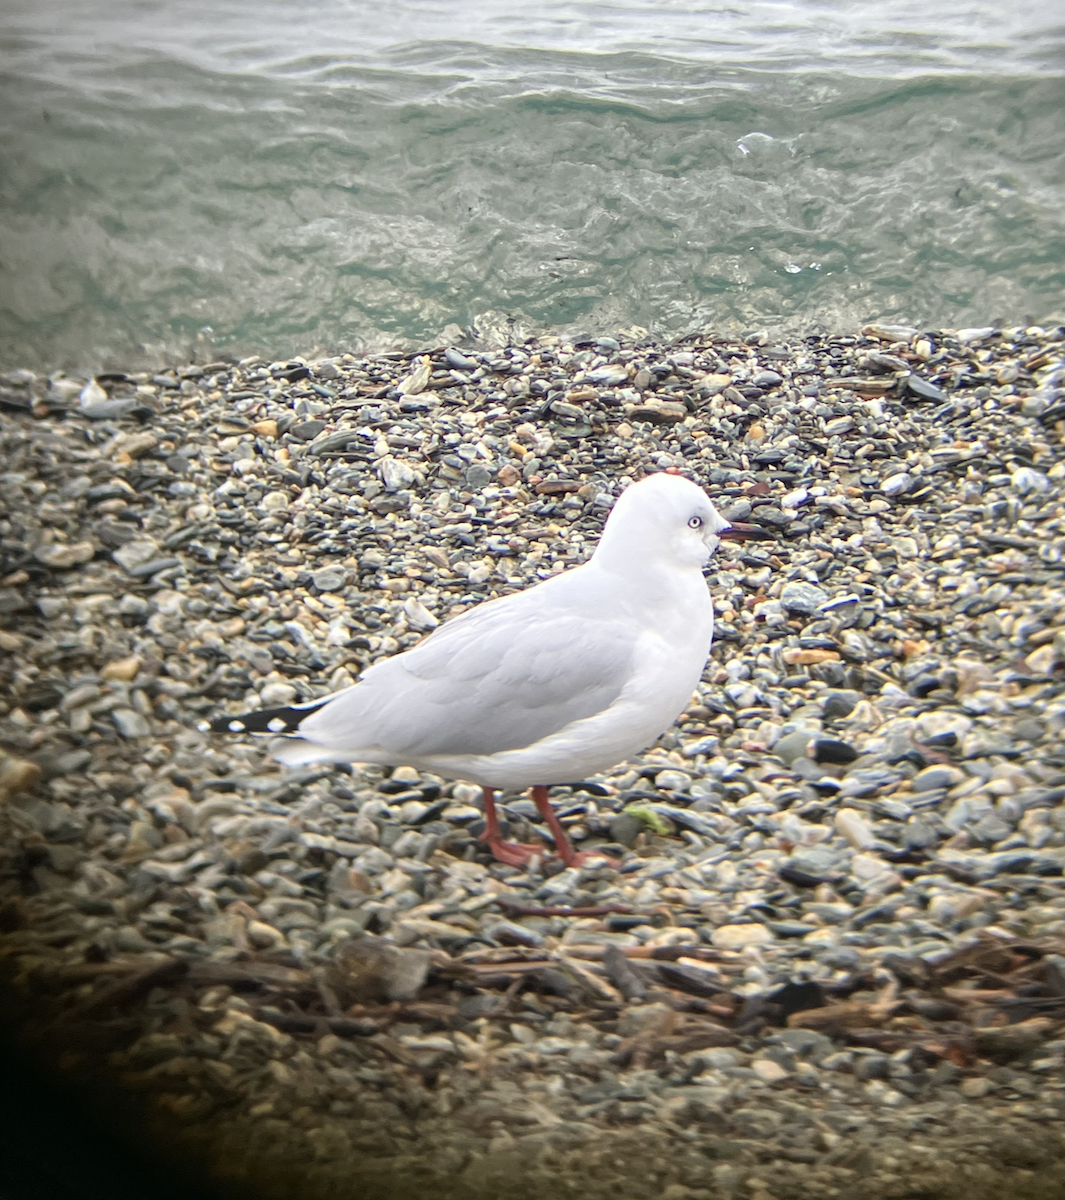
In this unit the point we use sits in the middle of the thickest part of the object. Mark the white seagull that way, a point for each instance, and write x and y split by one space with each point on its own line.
544 686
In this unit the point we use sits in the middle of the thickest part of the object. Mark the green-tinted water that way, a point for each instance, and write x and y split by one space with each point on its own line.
291 185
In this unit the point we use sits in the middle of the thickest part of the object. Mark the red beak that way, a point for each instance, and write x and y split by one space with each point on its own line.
739 531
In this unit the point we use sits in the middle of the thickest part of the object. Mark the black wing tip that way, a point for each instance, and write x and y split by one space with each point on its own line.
266 720
229 724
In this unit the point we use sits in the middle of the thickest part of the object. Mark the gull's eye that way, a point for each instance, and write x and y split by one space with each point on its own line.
695 523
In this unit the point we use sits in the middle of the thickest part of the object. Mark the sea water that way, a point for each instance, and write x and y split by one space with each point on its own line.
183 176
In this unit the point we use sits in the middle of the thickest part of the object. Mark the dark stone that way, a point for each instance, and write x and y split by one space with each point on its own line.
765 514
799 878
622 974
872 1066
307 431
293 374
41 696
797 997
839 703
925 390
369 969
626 829
690 979
148 569
828 750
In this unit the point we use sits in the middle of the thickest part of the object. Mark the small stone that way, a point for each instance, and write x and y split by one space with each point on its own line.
808 658
1007 1043
610 376
767 379
135 554
806 1043
16 775
328 581
1054 969
122 669
853 826
868 867
86 693
792 746
872 1066
880 1092
418 616
939 776
839 703
265 937
130 724
643 1017
1030 729
839 425
478 476
65 859
307 431
940 724
369 969
673 781
741 693
1025 480
91 394
130 940
803 598
736 937
829 750
395 473
133 606
625 829
61 556
659 412
975 1087
277 695
923 389
70 763
794 499
768 1071
897 485
418 379
890 333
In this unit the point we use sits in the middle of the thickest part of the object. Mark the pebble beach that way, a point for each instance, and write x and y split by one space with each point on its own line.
830 958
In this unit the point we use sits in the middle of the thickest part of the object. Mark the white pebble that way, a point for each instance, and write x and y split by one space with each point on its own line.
736 937
274 695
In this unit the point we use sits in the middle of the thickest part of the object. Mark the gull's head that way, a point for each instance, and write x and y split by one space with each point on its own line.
663 516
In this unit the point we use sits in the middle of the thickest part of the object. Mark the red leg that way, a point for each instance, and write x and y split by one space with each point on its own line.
563 846
514 854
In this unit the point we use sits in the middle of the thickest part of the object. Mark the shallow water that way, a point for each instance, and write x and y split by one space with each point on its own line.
366 175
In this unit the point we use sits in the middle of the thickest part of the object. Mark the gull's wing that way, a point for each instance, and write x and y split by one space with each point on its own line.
500 677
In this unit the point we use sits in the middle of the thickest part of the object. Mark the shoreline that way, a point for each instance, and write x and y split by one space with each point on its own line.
843 957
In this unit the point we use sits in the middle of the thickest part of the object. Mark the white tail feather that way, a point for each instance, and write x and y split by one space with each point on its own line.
296 751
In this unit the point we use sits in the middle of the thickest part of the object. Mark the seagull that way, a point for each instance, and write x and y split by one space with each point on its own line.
543 686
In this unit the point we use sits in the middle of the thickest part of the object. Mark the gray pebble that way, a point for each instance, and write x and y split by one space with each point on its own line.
130 724
803 598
